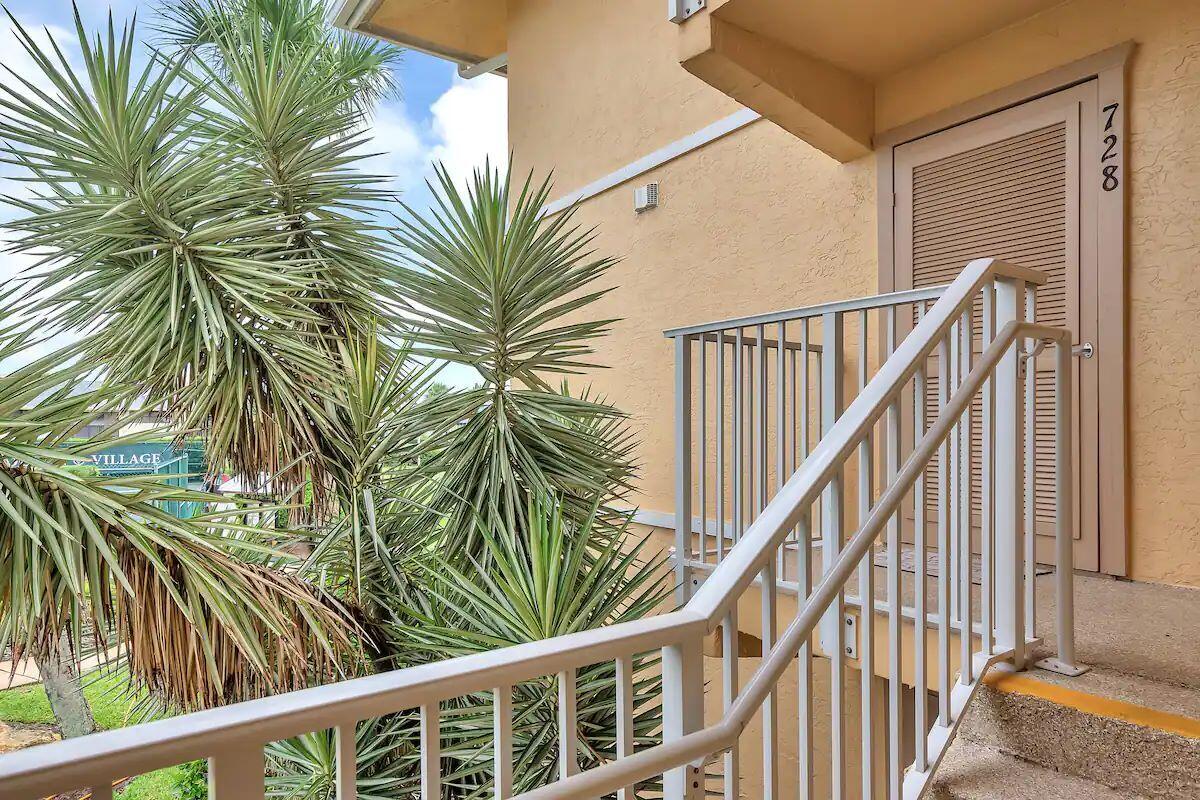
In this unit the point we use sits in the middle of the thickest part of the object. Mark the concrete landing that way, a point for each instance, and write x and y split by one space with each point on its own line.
1132 724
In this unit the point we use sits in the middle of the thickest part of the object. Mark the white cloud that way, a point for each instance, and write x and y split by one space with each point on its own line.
18 60
398 148
470 122
467 125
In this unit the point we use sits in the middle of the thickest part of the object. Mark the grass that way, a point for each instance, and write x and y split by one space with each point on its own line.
113 706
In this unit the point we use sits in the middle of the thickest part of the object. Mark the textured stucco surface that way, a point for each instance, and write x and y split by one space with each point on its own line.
1163 155
759 221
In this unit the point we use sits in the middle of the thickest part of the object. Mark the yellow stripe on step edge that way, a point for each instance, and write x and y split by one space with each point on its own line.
1091 704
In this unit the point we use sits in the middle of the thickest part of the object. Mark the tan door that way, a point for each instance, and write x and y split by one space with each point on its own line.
1008 186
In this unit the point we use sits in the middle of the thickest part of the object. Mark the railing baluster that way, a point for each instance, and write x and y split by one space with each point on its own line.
702 414
431 752
236 774
804 693
502 734
895 600
683 467
780 432
943 544
804 565
920 632
720 446
987 489
568 734
866 581
729 684
770 708
832 361
1030 470
760 429
954 500
738 440
624 667
804 375
346 753
964 508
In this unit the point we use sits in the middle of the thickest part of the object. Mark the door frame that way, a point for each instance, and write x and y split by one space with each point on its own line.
1110 69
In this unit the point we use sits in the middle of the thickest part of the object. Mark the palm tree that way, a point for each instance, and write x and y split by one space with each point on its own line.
201 222
203 610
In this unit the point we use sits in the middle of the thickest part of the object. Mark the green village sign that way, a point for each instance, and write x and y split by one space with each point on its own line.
149 458
146 457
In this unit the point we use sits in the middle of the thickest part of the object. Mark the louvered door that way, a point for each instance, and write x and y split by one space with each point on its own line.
1008 186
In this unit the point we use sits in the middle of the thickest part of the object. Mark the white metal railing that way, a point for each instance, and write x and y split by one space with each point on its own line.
995 624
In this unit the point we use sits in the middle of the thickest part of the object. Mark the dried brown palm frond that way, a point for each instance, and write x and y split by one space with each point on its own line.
205 606
298 634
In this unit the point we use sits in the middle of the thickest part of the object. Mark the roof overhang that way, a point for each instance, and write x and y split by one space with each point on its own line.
465 31
815 67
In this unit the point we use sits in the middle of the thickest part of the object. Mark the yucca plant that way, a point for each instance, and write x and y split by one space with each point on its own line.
564 578
305 768
202 609
373 447
505 289
200 221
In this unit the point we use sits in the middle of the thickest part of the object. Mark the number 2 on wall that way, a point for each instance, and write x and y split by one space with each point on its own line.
1109 180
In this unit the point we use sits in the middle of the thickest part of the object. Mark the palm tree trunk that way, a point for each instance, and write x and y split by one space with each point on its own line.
60 678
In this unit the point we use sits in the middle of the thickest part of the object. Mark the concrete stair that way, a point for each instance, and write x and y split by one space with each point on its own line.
975 772
1130 728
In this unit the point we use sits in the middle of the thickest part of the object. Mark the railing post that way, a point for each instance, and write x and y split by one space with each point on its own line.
1064 519
1010 479
683 712
683 467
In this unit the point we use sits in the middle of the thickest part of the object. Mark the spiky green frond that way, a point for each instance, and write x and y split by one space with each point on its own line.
199 219
563 582
202 609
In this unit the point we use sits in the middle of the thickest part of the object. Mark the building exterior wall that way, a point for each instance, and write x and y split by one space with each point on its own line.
759 220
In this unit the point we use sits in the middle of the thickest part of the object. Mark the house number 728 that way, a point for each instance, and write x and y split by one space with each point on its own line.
1109 180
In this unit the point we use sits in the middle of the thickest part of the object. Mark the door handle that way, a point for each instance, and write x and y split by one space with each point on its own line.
1085 350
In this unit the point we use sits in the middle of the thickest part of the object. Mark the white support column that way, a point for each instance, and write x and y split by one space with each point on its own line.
683 711
683 467
1010 479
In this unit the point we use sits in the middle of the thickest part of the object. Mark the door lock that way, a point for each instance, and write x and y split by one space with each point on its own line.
1085 350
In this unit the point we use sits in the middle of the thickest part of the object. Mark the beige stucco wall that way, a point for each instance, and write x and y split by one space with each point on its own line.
759 220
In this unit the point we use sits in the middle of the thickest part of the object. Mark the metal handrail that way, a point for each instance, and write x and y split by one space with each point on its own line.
724 733
726 584
818 310
92 760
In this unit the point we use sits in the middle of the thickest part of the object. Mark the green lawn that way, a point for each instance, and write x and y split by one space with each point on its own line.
113 707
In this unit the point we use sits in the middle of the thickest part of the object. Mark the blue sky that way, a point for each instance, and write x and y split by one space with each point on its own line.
437 117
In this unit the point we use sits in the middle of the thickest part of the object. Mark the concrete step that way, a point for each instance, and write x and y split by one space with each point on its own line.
1127 732
974 772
